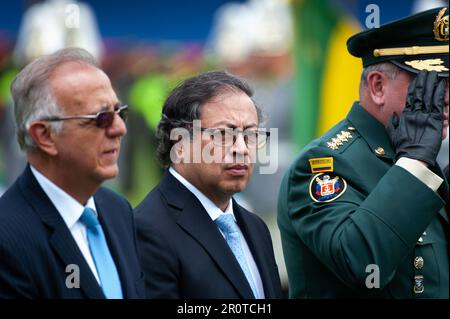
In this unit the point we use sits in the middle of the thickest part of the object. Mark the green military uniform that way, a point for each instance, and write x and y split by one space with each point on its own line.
383 215
354 224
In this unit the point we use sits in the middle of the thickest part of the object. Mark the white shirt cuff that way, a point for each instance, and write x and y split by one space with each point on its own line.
421 172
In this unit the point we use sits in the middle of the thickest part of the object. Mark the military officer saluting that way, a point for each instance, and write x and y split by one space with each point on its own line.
363 211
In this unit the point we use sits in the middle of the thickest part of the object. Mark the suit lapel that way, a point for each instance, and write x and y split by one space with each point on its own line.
64 246
253 238
194 219
114 244
60 239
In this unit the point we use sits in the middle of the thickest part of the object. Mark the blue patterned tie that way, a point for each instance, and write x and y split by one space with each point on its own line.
106 269
228 226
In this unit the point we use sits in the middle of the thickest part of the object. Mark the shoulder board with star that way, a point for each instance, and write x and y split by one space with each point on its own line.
342 139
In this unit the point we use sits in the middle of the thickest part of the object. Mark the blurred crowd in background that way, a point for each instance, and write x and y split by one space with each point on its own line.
293 53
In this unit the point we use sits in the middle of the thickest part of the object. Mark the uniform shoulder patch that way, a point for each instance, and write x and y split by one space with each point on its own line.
326 187
321 164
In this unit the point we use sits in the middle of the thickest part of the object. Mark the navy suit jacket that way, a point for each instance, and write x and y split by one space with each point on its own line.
36 246
184 255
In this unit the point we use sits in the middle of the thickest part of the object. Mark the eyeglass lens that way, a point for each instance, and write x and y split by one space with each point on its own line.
105 119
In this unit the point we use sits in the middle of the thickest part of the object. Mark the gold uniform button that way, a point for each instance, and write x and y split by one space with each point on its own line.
418 262
420 240
380 151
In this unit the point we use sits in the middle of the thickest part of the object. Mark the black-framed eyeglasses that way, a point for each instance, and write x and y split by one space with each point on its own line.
228 136
102 119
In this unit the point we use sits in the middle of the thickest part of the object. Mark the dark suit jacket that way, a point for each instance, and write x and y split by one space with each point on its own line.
36 246
184 255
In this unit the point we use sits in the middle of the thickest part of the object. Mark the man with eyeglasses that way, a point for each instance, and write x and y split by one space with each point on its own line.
194 240
363 211
61 234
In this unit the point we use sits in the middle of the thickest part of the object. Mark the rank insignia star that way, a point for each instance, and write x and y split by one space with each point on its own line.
339 140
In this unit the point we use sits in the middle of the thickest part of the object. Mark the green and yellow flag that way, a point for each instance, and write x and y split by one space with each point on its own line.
327 76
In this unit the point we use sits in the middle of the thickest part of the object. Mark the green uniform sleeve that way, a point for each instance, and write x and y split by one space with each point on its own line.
360 228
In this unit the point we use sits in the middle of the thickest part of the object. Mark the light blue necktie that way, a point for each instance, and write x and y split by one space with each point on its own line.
106 269
228 226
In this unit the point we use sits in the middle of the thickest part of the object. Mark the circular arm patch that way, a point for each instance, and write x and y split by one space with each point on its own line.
326 187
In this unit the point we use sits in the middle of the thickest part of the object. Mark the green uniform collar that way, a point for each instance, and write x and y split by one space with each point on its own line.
372 131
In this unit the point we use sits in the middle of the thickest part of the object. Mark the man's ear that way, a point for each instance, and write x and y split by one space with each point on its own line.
43 136
177 152
376 84
180 150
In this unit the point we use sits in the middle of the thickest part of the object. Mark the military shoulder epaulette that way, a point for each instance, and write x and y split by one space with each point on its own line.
340 139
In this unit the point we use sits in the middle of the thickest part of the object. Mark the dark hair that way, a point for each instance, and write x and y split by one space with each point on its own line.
184 103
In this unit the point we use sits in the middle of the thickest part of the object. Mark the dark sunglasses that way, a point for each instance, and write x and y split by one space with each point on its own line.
102 119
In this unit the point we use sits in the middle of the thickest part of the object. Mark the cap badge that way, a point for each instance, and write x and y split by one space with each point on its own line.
440 28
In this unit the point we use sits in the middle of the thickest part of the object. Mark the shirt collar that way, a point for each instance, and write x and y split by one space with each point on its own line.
213 211
69 209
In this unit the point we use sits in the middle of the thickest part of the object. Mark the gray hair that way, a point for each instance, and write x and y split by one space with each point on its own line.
32 96
387 68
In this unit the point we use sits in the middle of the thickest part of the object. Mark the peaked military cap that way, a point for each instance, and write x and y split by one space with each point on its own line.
415 43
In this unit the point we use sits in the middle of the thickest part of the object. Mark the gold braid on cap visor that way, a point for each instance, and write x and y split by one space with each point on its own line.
414 50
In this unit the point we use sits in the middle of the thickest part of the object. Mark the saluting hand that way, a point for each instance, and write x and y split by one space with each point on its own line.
417 132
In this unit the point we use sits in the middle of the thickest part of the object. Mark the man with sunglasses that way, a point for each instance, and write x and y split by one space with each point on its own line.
194 240
61 234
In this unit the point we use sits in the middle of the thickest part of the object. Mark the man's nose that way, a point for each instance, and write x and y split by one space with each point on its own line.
117 128
240 146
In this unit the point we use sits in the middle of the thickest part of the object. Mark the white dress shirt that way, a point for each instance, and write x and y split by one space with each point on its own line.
214 212
70 211
420 171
